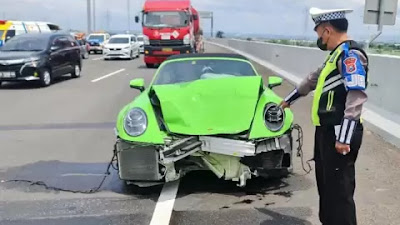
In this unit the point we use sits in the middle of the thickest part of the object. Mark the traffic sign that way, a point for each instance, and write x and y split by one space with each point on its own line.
380 12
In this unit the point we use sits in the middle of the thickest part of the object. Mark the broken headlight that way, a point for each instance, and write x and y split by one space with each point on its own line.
135 122
274 117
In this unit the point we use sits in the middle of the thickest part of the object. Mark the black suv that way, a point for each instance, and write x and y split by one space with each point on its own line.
39 57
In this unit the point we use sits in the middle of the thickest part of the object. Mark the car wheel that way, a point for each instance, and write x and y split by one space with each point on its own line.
149 65
45 78
76 72
138 54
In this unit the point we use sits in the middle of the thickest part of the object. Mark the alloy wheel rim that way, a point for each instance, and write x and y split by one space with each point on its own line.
46 77
77 70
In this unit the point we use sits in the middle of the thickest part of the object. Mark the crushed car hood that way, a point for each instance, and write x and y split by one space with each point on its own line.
211 106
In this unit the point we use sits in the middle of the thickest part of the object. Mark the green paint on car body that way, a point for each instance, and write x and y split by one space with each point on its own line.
195 108
211 106
152 134
259 129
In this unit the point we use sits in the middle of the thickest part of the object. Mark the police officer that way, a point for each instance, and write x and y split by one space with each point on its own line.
339 86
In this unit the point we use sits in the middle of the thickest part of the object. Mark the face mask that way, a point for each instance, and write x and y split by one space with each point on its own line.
321 45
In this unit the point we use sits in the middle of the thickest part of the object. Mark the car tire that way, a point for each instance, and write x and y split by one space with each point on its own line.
76 73
138 54
45 78
149 65
1 83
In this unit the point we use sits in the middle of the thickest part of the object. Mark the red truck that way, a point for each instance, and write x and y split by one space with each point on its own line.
169 27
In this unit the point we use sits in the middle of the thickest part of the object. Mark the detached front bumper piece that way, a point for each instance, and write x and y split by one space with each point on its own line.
236 160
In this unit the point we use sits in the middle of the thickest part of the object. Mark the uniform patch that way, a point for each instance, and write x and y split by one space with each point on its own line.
350 64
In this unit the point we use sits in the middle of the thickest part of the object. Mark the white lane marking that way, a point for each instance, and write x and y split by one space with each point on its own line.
81 174
108 75
165 205
98 58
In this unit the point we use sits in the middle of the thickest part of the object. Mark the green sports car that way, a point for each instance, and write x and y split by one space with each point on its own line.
204 112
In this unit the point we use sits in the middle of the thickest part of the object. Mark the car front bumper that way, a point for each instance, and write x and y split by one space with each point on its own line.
19 72
231 159
158 54
122 54
95 48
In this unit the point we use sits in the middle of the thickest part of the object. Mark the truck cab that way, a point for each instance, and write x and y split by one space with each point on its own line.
169 28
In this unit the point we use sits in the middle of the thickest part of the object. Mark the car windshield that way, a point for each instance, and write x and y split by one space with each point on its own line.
119 41
140 39
198 69
99 38
26 43
166 19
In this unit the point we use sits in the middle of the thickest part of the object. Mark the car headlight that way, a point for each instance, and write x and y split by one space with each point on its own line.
135 122
33 61
146 40
127 47
186 39
274 117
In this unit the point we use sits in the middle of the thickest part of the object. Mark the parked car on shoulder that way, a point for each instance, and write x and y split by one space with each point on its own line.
123 46
39 57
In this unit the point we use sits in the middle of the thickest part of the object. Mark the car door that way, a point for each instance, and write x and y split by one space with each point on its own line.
134 44
67 55
73 55
57 56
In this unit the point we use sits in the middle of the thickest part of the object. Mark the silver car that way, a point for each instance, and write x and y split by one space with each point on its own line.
122 46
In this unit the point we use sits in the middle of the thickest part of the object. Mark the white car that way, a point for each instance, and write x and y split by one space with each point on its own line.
141 43
122 46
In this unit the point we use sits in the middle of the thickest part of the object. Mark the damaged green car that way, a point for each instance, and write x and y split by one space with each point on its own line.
204 112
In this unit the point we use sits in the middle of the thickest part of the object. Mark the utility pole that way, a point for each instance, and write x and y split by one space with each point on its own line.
108 19
94 15
89 17
129 14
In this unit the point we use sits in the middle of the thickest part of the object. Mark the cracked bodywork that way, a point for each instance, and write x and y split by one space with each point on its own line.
212 124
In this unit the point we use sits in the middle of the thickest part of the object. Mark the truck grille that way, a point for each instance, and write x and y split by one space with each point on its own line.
166 42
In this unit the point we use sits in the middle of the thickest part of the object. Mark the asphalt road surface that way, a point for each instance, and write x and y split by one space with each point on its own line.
63 135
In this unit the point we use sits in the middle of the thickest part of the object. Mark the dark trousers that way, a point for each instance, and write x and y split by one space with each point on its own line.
336 177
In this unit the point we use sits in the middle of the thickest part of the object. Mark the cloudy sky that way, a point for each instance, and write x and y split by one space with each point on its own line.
278 17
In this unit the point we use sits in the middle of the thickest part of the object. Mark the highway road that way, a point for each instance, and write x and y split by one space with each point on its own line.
63 135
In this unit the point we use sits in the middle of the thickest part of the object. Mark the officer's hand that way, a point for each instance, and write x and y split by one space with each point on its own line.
284 105
342 149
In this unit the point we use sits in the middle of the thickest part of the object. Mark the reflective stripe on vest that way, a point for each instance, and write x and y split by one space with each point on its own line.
324 85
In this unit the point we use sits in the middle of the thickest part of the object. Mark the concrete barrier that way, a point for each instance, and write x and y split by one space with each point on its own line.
382 112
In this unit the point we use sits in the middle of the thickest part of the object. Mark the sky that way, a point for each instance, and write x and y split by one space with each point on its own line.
262 17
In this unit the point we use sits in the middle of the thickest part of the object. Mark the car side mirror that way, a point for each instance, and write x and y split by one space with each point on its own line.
54 48
137 84
137 19
274 81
